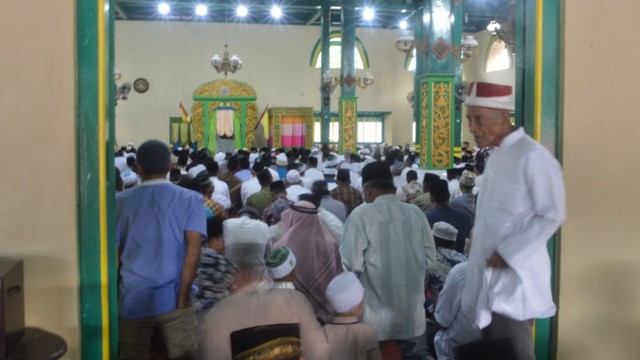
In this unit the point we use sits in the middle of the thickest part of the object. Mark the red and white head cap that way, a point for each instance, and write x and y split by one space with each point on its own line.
494 96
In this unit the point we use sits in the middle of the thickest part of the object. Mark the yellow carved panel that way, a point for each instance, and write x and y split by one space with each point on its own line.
349 122
424 123
441 125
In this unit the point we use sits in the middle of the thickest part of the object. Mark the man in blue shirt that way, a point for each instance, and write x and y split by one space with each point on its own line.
159 231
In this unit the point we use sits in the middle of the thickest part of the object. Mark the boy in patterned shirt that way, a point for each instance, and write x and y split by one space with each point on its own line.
216 274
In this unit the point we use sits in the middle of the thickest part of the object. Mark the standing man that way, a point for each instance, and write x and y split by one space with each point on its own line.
521 204
159 231
389 245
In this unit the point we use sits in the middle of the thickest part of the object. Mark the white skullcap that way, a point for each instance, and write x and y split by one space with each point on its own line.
345 292
488 95
194 171
329 171
445 231
281 160
280 262
331 162
293 176
412 149
219 156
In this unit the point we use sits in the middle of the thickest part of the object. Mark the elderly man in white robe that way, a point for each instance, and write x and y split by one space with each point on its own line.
521 204
389 245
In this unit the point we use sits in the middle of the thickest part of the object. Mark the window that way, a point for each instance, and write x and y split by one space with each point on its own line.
334 130
498 55
361 59
370 128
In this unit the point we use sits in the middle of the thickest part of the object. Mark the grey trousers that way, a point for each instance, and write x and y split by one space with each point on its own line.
178 330
519 333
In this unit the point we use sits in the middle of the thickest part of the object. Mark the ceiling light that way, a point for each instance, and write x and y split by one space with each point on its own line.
368 14
276 12
404 25
202 10
242 11
163 8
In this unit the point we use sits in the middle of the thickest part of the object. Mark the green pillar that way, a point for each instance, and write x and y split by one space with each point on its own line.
419 32
348 99
95 132
325 93
456 37
442 66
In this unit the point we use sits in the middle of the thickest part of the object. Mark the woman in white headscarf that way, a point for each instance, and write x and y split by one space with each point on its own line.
316 251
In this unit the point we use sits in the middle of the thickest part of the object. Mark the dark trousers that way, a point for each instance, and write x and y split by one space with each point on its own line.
518 333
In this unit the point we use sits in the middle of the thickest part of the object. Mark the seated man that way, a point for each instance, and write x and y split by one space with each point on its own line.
458 329
256 303
444 236
439 191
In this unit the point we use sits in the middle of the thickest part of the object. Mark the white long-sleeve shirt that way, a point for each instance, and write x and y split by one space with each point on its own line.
390 246
520 205
458 328
221 192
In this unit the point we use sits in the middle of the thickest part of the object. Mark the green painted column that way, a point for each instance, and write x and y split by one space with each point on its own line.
348 100
456 39
422 68
523 56
243 124
325 93
110 192
548 123
440 67
95 180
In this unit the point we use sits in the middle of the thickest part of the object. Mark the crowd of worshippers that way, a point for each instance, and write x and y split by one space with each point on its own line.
282 263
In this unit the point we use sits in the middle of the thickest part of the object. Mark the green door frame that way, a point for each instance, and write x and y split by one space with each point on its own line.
537 110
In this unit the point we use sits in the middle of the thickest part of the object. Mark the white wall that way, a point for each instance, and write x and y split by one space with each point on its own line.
599 312
38 187
174 57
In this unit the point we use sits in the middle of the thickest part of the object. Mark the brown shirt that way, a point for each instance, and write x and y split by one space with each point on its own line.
256 305
234 184
351 340
423 201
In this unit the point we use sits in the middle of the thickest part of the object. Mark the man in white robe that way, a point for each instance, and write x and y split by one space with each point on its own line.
390 246
521 204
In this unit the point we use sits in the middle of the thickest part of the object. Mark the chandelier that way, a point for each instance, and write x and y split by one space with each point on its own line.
461 53
333 81
226 64
494 30
466 49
